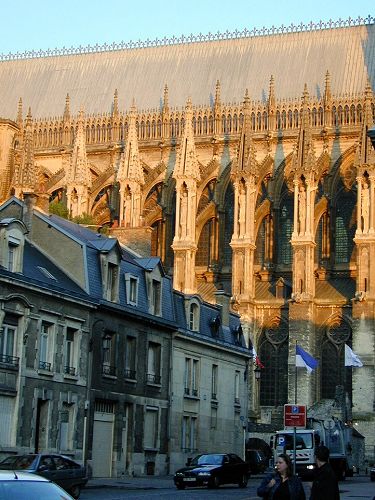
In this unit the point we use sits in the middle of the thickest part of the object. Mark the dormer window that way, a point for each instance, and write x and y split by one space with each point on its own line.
12 239
156 298
131 285
110 264
194 317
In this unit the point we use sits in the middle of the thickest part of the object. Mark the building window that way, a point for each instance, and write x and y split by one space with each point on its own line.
215 369
45 346
345 227
151 428
7 421
109 354
66 427
153 363
12 249
191 377
112 282
8 335
189 434
274 380
130 357
237 387
285 253
131 285
156 298
194 317
70 366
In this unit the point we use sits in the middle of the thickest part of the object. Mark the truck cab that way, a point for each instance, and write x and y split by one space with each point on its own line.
306 441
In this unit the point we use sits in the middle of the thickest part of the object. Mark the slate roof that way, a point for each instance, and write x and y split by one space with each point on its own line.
192 69
38 270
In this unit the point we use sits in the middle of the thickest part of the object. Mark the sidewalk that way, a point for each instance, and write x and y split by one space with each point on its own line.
132 483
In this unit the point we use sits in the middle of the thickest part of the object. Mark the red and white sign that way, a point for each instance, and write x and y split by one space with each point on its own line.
294 416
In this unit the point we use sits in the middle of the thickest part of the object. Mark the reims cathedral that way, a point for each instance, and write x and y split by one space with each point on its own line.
243 161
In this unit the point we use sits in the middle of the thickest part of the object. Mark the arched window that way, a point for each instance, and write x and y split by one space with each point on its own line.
227 227
345 226
285 231
333 370
290 119
157 238
259 121
322 241
278 120
206 252
193 317
252 121
273 352
296 118
265 120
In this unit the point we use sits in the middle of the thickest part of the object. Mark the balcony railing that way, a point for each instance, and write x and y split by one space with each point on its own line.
214 395
194 392
130 374
9 360
152 378
69 370
236 401
44 365
187 391
109 370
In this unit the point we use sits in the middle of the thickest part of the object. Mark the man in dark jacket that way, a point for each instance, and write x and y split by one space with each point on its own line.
325 485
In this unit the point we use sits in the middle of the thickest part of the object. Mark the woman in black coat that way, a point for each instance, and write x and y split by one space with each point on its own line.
282 485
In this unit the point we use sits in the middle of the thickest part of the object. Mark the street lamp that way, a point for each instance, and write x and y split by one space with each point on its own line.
371 135
257 372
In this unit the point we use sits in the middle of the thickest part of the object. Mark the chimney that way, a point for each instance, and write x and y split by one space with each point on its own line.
223 301
28 210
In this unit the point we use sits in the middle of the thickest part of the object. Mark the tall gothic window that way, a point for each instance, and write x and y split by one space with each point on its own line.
333 370
345 226
285 254
273 353
322 240
226 252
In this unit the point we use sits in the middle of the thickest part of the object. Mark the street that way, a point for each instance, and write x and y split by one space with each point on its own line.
356 488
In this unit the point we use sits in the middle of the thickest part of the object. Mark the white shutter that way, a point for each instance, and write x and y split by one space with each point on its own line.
6 419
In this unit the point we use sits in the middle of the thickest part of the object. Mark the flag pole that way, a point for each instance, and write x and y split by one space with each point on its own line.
295 375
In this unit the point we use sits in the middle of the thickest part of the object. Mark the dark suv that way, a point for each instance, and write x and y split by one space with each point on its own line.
257 461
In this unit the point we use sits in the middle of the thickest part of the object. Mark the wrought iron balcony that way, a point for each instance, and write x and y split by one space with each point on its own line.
109 370
9 360
152 378
44 365
130 374
69 370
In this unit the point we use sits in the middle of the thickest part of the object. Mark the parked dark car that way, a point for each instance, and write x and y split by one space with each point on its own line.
372 473
19 485
257 461
57 468
212 470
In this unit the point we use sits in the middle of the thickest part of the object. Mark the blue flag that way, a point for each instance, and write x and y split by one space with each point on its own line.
305 360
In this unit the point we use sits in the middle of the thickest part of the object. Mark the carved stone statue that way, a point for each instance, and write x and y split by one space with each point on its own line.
242 209
183 214
302 209
365 207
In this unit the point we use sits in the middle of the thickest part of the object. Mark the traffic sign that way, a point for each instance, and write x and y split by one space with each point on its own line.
294 416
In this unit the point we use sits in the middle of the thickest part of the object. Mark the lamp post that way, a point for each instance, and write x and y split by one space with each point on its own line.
257 372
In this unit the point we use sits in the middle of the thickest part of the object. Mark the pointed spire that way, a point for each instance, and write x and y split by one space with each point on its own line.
327 89
166 99
66 115
365 152
217 94
79 171
115 110
271 95
187 165
130 169
27 172
20 113
304 153
246 151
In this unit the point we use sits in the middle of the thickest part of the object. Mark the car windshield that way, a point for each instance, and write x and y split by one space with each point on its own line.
208 460
303 441
32 490
18 462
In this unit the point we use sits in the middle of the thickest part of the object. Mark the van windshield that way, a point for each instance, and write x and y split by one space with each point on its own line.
303 441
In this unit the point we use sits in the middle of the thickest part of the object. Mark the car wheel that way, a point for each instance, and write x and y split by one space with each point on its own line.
75 491
215 482
180 486
242 483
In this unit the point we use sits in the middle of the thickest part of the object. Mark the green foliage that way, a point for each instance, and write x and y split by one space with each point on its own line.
85 219
59 209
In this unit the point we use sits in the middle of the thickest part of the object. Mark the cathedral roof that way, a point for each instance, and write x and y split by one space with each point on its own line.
192 69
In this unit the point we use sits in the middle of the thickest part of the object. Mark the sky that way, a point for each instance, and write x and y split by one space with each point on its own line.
48 24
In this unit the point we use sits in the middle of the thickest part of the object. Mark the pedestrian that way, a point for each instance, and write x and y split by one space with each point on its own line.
282 485
325 485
